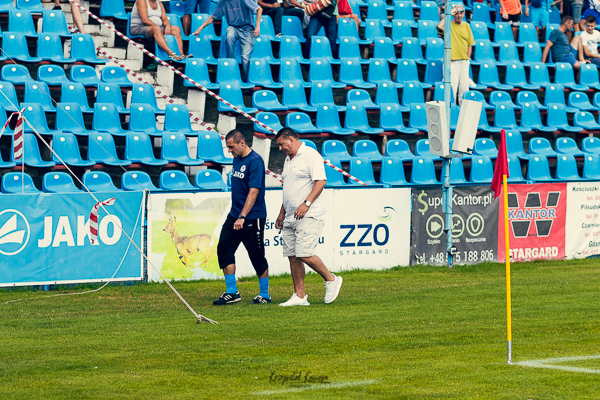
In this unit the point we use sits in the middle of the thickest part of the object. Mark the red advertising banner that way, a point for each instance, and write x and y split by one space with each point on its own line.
536 220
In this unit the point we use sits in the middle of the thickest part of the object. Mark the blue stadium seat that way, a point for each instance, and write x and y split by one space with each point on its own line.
264 50
403 10
390 119
356 119
175 180
320 70
292 26
208 32
362 169
554 15
15 182
488 75
111 93
515 76
138 149
200 47
434 49
85 75
483 123
177 119
528 34
514 144
540 145
480 31
69 118
102 150
485 147
412 93
172 43
335 149
116 75
334 178
301 123
144 93
290 71
588 76
373 29
328 120
532 54
473 85
438 93
292 48
8 97
475 95
322 93
590 145
137 180
387 93
423 172
66 147
49 48
457 172
377 10
525 96
210 148
566 168
99 181
514 169
197 70
481 14
398 148
321 48
581 101
106 119
267 29
418 117
7 6
351 74
128 32
21 21
484 52
502 32
498 98
14 45
113 8
16 73
177 8
411 50
407 71
392 172
270 119
259 74
591 167
310 144
585 120
175 20
532 120
32 155
84 49
367 149
422 149
75 92
37 117
232 92
429 11
525 18
209 179
349 48
558 118
59 182
567 145
38 92
347 27
294 96
143 119
228 71
434 72
401 29
174 148
361 97
538 169
7 131
267 100
564 75
538 74
505 118
555 94
482 170
52 75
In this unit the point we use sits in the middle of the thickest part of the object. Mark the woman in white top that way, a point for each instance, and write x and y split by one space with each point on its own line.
149 19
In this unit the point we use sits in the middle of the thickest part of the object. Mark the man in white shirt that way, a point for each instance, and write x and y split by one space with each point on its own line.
590 39
302 214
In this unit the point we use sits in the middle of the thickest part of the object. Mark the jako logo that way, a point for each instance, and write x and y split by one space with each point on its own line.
543 217
14 233
56 234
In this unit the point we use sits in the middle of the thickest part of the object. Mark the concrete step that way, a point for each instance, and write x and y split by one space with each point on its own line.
148 77
104 41
116 52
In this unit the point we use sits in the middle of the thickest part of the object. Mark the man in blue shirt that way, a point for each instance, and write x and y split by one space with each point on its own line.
246 220
238 14
562 51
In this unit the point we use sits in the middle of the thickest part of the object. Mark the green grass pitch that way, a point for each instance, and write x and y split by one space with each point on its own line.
404 333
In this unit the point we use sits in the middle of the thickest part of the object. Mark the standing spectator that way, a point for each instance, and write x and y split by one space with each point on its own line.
190 8
245 222
322 14
576 6
302 215
594 11
590 39
540 14
460 48
75 12
559 44
274 9
511 13
241 27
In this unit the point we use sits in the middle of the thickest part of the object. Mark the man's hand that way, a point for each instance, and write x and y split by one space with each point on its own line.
301 211
275 5
197 32
279 222
504 14
527 11
238 224
168 30
257 31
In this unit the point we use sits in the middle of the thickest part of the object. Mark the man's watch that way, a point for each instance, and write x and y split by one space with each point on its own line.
308 203
241 216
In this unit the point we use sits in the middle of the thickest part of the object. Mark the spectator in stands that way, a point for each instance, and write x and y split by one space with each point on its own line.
302 215
190 8
576 6
594 11
590 39
540 14
149 19
296 9
511 13
241 27
274 9
559 44
345 11
322 14
75 12
460 47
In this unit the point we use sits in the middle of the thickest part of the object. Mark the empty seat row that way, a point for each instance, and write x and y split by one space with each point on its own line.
53 21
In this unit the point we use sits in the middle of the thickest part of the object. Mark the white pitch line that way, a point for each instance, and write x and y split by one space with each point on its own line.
316 387
549 363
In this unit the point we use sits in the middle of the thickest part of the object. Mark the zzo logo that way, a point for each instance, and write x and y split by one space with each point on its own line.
380 234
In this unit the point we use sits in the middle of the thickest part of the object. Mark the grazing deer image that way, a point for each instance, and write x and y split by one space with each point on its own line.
188 245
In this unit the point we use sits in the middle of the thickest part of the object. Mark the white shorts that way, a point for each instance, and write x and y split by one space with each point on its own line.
300 238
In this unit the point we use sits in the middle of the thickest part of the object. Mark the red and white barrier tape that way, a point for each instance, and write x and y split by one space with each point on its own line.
18 137
94 218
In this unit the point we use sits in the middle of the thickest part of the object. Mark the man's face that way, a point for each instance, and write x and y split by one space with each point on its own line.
459 15
589 27
286 144
236 149
569 25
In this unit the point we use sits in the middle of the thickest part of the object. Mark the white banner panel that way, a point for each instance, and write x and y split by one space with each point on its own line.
583 220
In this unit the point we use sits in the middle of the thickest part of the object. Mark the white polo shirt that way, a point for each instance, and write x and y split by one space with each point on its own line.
299 176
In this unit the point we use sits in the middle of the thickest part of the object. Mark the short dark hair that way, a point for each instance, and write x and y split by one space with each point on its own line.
286 133
591 19
566 19
236 135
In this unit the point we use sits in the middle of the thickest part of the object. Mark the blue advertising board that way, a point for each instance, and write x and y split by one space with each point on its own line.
44 238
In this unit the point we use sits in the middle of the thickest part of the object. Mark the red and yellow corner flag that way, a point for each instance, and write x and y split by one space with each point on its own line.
501 167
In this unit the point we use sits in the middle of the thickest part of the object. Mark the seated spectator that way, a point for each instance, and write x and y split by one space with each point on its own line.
590 39
190 8
594 11
296 9
322 14
559 44
273 9
511 13
540 14
149 19
345 11
241 27
75 12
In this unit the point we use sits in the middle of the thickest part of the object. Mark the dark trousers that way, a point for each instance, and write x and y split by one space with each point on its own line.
315 24
276 14
251 235
296 12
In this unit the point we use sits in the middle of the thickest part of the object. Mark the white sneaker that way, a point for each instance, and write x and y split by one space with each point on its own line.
296 301
332 289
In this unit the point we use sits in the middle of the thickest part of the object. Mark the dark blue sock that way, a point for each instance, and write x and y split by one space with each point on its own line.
264 287
230 282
